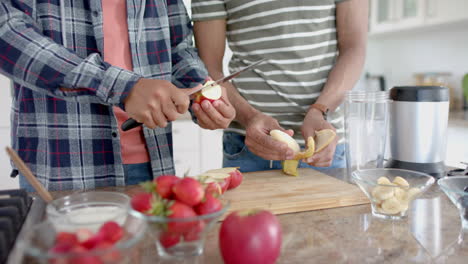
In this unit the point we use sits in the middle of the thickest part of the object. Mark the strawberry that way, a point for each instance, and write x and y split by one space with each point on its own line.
142 202
164 185
208 205
81 256
66 238
111 232
60 248
194 233
168 240
188 191
83 234
93 241
109 255
179 210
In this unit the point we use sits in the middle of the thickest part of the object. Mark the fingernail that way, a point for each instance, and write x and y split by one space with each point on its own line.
206 104
196 107
216 103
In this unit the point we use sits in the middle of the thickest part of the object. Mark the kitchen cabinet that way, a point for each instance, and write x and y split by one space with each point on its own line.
444 11
395 15
391 15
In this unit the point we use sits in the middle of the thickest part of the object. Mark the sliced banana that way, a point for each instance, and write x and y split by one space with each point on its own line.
412 193
401 194
400 181
384 181
383 192
391 206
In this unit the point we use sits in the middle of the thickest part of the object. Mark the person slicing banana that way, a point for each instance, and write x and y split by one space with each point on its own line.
316 52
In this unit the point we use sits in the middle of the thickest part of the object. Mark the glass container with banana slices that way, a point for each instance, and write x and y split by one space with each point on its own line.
391 191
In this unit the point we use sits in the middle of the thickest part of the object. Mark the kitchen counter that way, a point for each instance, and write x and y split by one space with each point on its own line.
430 234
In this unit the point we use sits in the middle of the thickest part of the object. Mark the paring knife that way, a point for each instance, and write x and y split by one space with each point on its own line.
131 123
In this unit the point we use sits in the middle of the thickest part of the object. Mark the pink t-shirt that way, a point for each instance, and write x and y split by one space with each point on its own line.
117 53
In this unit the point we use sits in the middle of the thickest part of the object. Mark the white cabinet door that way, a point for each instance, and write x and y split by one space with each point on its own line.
444 11
211 149
393 15
186 142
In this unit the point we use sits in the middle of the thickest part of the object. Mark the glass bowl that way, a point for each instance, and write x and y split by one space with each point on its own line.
390 199
180 237
88 210
40 239
456 188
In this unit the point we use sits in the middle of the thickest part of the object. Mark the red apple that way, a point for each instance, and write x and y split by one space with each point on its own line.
210 93
213 188
225 184
189 191
250 237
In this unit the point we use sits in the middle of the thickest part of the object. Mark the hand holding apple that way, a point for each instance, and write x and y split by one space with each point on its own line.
212 108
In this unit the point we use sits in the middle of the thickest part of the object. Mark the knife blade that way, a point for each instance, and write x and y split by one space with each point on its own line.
132 123
229 77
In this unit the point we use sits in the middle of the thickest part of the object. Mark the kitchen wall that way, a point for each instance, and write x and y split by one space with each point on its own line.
398 55
5 102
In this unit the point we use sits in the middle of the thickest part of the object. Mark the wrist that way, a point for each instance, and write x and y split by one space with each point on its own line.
317 109
244 117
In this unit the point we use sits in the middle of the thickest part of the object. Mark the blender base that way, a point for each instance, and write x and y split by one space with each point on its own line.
436 169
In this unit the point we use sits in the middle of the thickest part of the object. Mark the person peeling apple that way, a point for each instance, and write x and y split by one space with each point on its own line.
315 52
81 68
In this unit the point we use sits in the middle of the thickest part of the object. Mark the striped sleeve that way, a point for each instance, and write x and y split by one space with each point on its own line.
203 10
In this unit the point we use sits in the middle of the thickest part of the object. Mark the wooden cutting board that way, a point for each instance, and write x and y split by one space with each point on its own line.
281 194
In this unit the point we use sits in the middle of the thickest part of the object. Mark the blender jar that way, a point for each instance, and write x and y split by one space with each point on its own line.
366 129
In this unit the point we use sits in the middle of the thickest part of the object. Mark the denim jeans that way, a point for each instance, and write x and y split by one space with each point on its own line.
134 174
236 154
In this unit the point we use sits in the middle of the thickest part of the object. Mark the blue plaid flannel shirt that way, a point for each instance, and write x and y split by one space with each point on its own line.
70 138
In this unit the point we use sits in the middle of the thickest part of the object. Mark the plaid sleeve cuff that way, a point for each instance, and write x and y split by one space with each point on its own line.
116 85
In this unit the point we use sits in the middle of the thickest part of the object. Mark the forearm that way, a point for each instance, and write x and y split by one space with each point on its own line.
342 77
35 61
351 22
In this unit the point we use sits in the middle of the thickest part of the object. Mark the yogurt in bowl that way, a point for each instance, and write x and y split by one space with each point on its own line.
88 210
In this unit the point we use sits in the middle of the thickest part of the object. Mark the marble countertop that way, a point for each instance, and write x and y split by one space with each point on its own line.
430 234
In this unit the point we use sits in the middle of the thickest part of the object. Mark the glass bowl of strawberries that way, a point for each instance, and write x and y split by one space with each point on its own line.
111 243
179 213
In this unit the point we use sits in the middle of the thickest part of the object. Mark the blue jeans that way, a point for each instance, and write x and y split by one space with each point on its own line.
134 174
236 154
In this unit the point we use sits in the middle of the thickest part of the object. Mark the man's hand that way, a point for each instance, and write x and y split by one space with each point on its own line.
258 138
216 115
155 102
314 122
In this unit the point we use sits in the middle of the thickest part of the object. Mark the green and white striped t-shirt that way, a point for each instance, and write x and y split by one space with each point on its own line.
298 37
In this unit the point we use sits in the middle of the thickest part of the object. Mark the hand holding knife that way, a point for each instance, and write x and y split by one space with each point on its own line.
131 123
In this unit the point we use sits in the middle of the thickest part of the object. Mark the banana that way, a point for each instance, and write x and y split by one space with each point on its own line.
391 206
290 167
309 151
314 145
285 138
413 192
400 181
401 194
383 181
323 138
382 192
